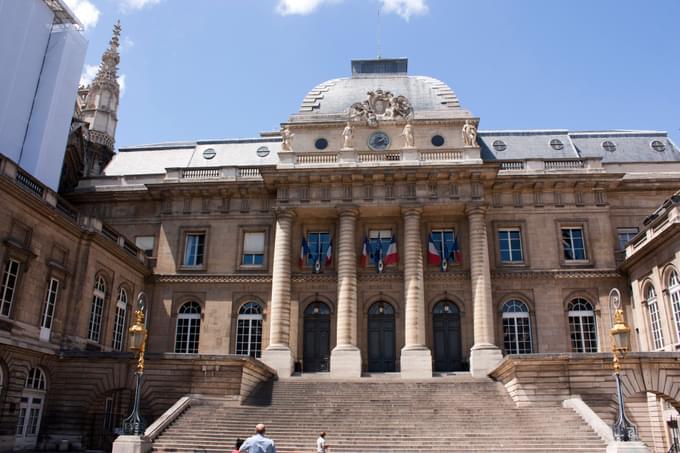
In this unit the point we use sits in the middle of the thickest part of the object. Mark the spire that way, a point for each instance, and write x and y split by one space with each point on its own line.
108 68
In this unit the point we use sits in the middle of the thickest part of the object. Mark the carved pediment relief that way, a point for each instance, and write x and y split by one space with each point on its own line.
380 105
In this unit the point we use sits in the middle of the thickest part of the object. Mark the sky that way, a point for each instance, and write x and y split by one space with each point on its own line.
211 69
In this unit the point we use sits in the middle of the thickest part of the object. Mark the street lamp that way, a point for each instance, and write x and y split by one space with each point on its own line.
137 334
623 429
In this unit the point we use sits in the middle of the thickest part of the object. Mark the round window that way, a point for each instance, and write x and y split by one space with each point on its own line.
609 146
658 146
556 144
499 145
262 151
209 153
437 140
321 143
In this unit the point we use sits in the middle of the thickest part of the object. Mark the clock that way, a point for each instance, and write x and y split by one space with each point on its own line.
379 141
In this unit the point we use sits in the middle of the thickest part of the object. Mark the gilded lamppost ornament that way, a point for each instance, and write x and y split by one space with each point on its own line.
380 105
407 133
469 133
137 336
286 139
347 135
623 429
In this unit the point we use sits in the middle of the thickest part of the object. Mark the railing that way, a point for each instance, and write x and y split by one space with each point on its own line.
561 164
130 248
28 183
110 233
316 158
440 155
66 209
200 173
248 172
519 165
378 157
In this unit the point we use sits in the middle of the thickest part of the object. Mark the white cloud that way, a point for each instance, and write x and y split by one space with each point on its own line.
89 71
121 84
85 11
405 8
136 5
300 7
127 44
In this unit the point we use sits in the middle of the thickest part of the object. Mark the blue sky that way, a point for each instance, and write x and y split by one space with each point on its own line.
205 69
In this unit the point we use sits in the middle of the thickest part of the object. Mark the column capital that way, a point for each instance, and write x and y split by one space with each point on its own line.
347 210
471 209
284 214
412 210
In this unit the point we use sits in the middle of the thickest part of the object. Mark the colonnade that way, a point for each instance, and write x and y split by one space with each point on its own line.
416 358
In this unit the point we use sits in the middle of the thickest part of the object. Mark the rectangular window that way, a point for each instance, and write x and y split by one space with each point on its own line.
253 249
625 235
380 242
48 309
655 321
446 245
317 241
510 245
10 277
194 249
146 243
573 243
119 328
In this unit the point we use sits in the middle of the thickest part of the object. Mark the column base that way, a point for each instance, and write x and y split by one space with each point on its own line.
280 358
131 444
627 447
483 359
346 362
416 363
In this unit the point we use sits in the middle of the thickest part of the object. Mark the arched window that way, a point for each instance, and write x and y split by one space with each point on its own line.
36 380
120 321
30 408
99 294
582 326
516 328
249 330
674 294
654 318
188 328
381 308
445 308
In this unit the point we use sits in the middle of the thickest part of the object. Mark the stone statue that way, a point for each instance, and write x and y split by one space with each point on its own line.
287 139
407 133
469 133
347 135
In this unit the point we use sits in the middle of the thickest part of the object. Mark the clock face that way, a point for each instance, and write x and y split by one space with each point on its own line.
379 141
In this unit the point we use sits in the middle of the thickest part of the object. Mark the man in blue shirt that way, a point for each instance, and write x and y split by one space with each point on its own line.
258 443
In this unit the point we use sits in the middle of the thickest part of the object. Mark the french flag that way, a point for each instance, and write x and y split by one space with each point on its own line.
455 255
304 252
364 253
434 258
392 256
329 253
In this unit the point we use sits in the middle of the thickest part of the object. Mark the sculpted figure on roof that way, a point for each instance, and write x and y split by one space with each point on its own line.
347 135
287 139
469 133
407 133
380 105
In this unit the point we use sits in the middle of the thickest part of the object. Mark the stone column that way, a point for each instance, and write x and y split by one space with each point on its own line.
346 356
485 355
278 355
416 359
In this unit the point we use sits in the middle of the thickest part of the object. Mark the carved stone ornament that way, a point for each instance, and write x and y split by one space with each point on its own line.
469 133
380 105
286 139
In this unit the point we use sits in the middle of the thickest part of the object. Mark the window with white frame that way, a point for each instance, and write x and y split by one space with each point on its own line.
624 235
249 330
50 301
582 327
10 276
516 328
188 328
194 249
573 243
98 296
253 248
654 318
674 294
120 321
35 380
510 245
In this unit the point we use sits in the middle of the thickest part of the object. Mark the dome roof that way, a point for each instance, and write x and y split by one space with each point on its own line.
332 99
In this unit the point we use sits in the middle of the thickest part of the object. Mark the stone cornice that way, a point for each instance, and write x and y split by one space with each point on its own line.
557 274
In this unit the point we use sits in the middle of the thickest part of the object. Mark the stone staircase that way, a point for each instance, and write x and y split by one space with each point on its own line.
447 414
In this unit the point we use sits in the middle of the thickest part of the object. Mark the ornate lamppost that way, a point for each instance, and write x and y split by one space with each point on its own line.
623 429
137 334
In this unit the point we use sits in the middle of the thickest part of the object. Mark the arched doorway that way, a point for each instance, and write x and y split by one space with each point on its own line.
446 326
381 349
31 409
316 342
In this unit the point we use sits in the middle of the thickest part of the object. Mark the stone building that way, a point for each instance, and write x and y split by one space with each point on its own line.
379 231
